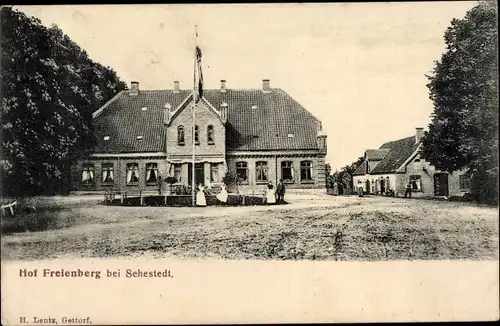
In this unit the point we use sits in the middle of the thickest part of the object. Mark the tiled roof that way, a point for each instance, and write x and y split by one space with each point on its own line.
124 120
376 154
361 169
399 151
277 122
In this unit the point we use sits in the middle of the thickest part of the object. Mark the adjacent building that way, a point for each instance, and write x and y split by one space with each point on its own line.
259 135
390 168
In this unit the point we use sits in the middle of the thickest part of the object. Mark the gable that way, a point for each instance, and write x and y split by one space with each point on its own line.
399 152
203 107
255 120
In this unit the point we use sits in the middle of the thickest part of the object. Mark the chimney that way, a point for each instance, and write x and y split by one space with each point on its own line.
223 112
176 86
134 88
419 134
321 141
266 87
223 86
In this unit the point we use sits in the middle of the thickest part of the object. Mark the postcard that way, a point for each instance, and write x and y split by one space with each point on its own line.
249 163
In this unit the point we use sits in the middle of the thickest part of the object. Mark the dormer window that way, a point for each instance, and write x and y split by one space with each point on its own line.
254 107
144 108
106 137
290 135
139 137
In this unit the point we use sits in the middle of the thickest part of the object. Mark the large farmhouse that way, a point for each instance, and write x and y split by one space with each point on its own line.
395 164
259 135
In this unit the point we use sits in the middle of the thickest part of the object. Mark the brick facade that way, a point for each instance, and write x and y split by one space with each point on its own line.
119 174
151 121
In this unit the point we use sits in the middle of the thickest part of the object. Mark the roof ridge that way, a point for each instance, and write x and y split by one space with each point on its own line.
98 112
394 141
300 105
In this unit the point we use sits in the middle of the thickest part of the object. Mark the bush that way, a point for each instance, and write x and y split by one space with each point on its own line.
186 201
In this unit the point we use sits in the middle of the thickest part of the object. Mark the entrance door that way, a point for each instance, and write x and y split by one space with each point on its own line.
440 184
367 184
199 173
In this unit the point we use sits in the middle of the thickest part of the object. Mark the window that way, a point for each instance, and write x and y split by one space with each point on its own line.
196 135
210 135
88 174
151 172
107 173
214 173
242 171
132 173
416 182
287 171
306 171
178 172
180 135
261 171
464 181
374 190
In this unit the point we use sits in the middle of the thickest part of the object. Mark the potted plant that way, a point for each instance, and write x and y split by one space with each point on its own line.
232 183
170 181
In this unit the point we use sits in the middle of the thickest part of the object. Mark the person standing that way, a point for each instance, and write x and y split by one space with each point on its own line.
408 189
222 195
200 196
280 191
360 188
159 184
270 194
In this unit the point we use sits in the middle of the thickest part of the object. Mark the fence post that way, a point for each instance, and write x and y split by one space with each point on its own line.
141 199
165 200
121 197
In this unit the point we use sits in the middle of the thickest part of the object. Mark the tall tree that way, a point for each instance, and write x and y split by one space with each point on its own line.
49 89
463 132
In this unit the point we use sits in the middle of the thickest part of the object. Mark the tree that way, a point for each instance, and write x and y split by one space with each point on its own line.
463 86
49 90
344 176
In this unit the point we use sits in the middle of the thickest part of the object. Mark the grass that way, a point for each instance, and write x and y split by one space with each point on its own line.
325 228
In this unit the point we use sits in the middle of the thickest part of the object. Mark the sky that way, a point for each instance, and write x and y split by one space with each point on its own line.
358 67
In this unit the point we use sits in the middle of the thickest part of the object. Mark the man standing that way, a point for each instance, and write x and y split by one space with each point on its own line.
408 189
280 192
159 184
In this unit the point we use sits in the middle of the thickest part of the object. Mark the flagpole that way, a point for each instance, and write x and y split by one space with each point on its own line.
194 120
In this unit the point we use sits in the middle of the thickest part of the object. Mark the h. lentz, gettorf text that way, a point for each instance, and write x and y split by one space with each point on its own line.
80 273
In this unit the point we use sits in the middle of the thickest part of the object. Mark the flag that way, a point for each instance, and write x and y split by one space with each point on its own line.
200 73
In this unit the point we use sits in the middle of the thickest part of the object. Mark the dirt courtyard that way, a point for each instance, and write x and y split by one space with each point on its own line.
314 227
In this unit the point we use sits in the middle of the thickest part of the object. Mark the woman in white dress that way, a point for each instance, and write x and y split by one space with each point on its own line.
270 194
200 196
222 195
